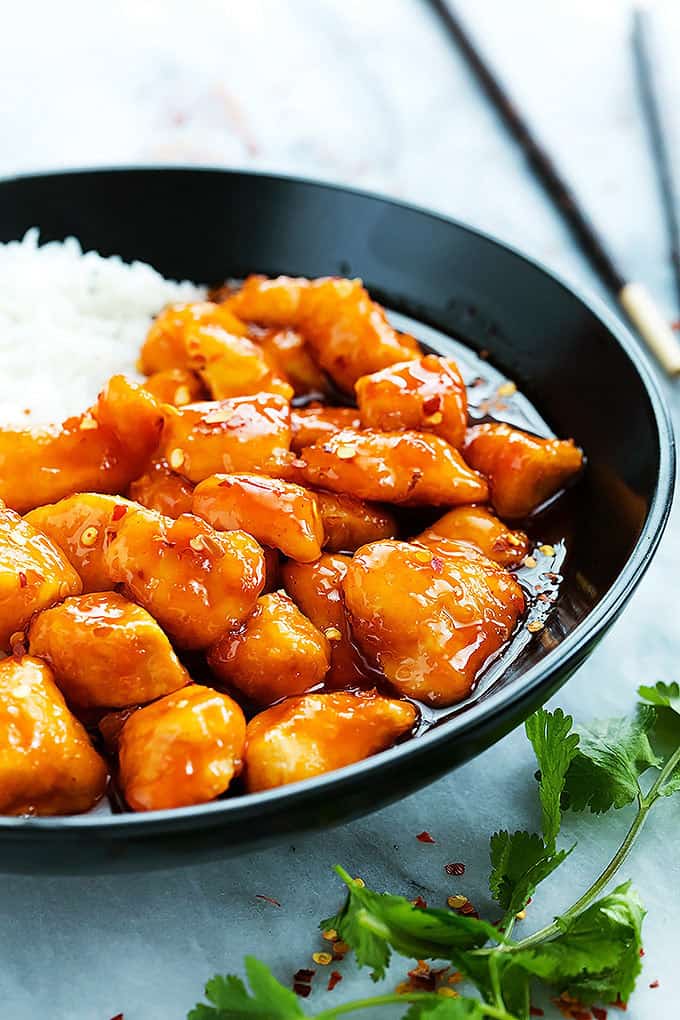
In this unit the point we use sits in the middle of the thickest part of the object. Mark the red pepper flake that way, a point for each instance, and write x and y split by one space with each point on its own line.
432 404
619 1004
304 975
267 899
424 837
467 910
118 1016
654 984
333 980
23 580
675 325
536 1011
420 903
642 952
456 868
118 511
599 1013
437 565
302 990
581 1014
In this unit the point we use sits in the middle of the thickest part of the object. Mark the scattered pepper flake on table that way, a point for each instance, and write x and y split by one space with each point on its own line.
456 868
425 837
322 958
420 903
599 1013
267 899
334 979
536 1011
654 983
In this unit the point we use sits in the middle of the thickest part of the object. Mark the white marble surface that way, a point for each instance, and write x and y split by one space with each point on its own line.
368 93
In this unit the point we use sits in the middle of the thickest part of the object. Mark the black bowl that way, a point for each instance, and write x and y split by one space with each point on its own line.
575 362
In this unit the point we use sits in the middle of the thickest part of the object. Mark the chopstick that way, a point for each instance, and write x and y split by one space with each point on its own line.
633 297
643 49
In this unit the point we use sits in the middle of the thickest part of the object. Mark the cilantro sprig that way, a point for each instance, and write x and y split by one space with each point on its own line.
590 952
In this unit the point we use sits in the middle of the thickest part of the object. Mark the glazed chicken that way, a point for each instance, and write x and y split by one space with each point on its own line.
83 527
164 490
413 468
105 651
482 530
322 569
455 610
307 736
276 513
183 749
427 394
47 763
523 470
316 589
243 434
275 653
101 451
347 332
34 574
197 582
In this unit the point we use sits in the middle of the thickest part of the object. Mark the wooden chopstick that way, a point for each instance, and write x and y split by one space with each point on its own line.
643 49
633 297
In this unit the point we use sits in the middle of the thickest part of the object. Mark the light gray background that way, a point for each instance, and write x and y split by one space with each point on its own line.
371 94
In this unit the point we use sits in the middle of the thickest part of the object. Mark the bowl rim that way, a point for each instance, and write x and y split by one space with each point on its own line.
476 716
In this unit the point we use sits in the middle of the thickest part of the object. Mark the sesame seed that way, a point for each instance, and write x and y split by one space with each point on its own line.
332 633
345 451
182 395
435 419
423 556
456 902
176 459
197 543
89 536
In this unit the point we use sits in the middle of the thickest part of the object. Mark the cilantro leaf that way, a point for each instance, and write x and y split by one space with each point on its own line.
518 863
512 980
554 745
230 1000
596 956
440 1008
374 923
662 695
611 755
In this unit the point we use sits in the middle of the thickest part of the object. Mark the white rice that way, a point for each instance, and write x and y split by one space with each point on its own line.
69 321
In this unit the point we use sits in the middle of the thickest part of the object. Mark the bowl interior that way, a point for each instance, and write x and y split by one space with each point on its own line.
207 225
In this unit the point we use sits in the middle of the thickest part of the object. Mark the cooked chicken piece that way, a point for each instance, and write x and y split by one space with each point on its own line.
197 582
316 422
101 451
177 386
231 366
523 470
427 394
315 588
317 733
34 574
275 653
349 523
391 467
347 332
106 652
83 526
484 531
165 344
47 763
289 355
164 490
243 434
453 609
276 513
184 749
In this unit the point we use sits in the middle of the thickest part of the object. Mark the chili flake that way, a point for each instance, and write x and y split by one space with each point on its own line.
419 902
534 626
536 1011
599 1013
360 882
654 984
340 948
118 511
304 975
267 899
302 990
432 404
520 915
456 868
447 993
425 837
456 902
330 935
333 980
89 537
547 550
323 959
23 580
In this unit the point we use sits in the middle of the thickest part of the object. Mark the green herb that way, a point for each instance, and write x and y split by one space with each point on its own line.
591 951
